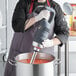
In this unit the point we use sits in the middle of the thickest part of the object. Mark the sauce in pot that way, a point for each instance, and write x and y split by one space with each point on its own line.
37 61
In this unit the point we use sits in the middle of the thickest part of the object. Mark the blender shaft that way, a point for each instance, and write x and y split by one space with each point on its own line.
33 57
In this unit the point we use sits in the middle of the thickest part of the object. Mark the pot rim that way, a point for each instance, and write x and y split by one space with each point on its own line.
29 58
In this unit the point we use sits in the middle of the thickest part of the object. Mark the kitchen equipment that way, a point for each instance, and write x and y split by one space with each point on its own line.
67 8
42 32
0 45
0 19
68 11
27 69
40 35
74 18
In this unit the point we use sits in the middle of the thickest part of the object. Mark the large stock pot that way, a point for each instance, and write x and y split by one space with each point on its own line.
27 69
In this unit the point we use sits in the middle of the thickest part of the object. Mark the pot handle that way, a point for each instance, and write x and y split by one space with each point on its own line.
57 62
12 62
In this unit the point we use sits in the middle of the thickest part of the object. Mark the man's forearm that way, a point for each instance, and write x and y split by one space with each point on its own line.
56 41
29 23
43 14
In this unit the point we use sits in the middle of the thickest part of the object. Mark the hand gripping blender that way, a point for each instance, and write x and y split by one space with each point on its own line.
40 35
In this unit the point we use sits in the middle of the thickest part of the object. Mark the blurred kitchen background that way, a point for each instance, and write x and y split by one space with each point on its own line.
6 34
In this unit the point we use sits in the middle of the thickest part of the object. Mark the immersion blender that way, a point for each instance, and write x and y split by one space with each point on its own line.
41 34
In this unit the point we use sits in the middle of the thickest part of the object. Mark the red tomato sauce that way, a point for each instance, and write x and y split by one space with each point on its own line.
37 61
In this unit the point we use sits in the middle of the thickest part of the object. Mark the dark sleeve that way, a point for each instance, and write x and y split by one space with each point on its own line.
19 16
61 28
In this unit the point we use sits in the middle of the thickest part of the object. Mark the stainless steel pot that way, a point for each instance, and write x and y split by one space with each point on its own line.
25 69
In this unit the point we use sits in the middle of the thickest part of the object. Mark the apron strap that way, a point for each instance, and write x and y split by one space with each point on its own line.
31 6
32 3
48 3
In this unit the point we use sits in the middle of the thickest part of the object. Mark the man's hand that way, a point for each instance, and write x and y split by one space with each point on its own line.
48 43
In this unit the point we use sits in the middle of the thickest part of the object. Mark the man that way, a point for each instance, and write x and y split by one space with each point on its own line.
25 29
